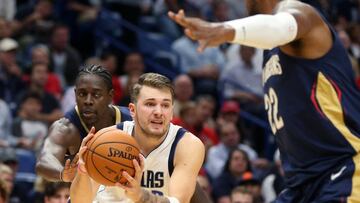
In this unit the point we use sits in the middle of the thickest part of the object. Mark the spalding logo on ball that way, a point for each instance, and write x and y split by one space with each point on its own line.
108 154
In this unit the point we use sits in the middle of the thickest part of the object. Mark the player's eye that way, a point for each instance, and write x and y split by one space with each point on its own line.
81 94
97 95
149 104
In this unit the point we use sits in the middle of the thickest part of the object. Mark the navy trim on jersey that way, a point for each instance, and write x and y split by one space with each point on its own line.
125 114
120 126
75 119
180 133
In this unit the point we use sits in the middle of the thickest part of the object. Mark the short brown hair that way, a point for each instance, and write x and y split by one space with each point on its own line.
154 80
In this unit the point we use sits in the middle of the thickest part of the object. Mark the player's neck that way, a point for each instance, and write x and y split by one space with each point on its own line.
147 143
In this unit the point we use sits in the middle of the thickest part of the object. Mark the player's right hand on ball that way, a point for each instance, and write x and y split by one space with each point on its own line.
83 147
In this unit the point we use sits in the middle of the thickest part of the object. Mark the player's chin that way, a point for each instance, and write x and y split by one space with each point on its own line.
158 132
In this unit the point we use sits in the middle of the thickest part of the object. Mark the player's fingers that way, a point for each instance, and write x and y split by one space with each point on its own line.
81 152
138 170
120 185
202 45
190 34
89 136
129 178
75 160
180 18
142 161
67 164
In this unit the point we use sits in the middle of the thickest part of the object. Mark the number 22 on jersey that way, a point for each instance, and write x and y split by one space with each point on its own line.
271 106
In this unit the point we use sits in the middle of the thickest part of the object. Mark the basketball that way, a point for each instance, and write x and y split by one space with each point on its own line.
108 154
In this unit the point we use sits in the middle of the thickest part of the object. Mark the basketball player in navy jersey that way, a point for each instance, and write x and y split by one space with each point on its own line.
94 93
310 94
172 156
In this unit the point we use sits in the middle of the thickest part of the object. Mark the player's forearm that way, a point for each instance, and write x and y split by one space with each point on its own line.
81 190
49 168
148 197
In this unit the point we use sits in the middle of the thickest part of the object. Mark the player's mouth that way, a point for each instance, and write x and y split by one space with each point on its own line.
157 123
88 114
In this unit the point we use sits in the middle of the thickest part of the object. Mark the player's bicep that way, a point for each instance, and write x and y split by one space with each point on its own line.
189 157
61 136
306 17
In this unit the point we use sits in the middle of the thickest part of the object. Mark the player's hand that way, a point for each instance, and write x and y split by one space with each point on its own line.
133 187
83 147
207 34
69 170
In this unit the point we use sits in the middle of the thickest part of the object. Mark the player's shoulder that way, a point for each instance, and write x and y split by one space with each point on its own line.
190 139
63 126
296 8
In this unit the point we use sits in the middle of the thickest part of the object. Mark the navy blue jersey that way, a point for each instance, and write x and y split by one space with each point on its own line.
122 114
313 109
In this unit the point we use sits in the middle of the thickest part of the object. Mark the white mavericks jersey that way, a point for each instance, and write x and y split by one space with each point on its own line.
158 167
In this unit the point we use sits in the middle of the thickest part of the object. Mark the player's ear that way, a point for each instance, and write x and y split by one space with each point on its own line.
132 109
111 93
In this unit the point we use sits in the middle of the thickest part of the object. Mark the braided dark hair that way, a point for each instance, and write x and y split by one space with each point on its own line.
96 70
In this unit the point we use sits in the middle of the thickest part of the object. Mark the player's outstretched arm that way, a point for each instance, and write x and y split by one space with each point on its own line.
206 33
289 22
83 189
50 163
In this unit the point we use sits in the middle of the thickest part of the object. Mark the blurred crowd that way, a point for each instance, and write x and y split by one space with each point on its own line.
218 92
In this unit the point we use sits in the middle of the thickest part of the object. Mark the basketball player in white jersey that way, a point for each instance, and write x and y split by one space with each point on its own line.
171 159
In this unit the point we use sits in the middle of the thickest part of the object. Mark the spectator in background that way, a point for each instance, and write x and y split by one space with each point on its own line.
27 131
274 182
204 183
220 11
8 157
242 79
50 110
354 34
345 39
241 195
253 185
204 68
81 17
236 169
10 73
7 9
184 89
193 118
217 155
229 113
7 175
64 59
5 124
5 32
109 61
133 67
40 54
56 192
165 25
34 21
